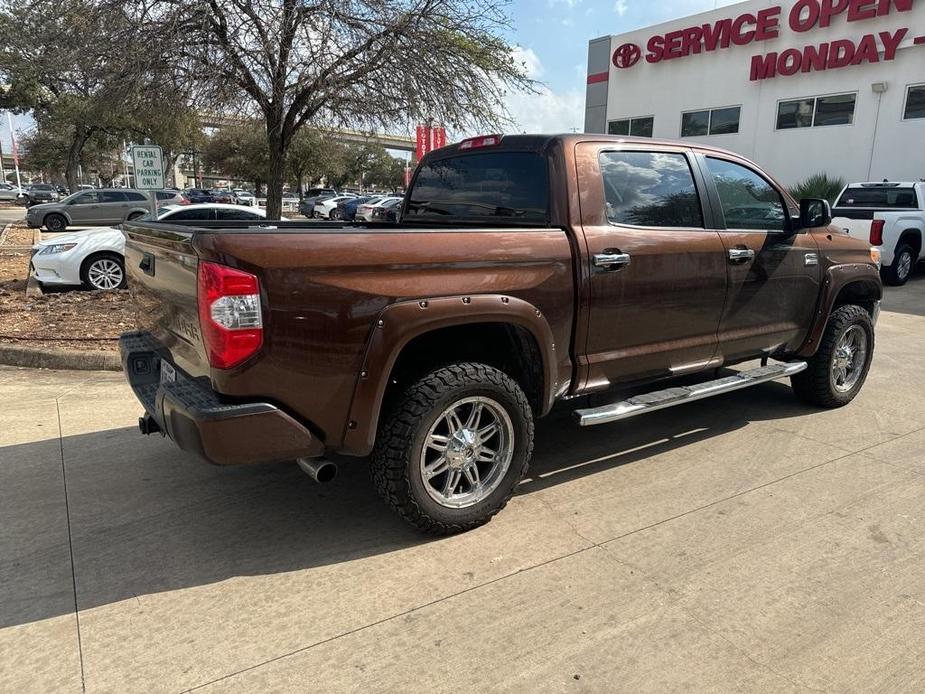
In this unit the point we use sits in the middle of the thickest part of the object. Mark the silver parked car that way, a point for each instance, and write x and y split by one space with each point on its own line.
103 207
10 193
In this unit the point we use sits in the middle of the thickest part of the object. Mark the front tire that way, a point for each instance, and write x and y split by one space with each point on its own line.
837 371
103 271
56 222
452 448
899 272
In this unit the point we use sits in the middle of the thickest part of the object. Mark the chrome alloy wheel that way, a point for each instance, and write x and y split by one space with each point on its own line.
104 273
467 452
849 359
904 265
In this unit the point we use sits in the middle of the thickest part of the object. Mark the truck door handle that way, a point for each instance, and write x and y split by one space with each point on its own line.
611 260
741 255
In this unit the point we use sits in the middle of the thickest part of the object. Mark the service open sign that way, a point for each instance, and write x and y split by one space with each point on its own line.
765 25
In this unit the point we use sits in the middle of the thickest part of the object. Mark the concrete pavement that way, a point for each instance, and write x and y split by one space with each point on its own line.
10 214
747 543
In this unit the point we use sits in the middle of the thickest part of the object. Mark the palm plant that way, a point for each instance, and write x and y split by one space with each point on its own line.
819 185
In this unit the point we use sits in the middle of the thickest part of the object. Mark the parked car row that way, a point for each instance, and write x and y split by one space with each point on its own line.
324 203
95 258
97 207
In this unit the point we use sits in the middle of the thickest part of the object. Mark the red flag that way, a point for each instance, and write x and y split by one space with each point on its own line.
423 141
439 137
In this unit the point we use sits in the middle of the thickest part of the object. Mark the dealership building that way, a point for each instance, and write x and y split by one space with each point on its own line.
800 86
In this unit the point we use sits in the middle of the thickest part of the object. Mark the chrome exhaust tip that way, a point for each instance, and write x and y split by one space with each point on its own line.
321 470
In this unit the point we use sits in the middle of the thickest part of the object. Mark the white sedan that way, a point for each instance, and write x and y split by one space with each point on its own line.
324 208
95 258
365 211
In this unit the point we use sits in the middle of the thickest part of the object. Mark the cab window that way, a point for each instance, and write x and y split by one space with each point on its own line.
650 189
749 202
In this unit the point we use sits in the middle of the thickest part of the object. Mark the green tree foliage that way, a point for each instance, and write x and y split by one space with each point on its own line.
367 165
67 61
238 151
46 149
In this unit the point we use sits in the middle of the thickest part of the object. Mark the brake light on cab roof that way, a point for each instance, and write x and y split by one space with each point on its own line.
481 141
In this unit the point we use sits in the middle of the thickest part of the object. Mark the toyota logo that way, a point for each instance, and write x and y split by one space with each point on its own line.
627 55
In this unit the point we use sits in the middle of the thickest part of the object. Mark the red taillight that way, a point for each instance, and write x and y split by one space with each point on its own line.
229 314
876 232
482 141
184 200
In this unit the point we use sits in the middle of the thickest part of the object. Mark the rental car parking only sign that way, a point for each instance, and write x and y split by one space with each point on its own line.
149 167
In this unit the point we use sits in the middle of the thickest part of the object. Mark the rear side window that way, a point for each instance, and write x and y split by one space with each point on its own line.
140 197
881 198
650 189
202 214
500 186
237 214
749 201
111 196
161 195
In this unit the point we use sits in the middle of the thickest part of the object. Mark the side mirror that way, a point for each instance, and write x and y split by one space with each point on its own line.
815 212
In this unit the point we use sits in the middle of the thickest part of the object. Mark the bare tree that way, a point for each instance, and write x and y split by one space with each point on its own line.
356 63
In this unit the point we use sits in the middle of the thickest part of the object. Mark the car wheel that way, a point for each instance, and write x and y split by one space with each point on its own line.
105 271
839 368
335 214
452 448
135 215
56 222
898 273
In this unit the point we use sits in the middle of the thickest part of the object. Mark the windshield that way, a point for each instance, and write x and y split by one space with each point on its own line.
508 186
880 197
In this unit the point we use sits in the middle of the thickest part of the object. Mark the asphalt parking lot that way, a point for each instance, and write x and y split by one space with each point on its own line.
746 543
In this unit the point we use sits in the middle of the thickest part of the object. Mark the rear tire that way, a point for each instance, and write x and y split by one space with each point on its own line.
56 222
135 215
431 436
837 371
899 272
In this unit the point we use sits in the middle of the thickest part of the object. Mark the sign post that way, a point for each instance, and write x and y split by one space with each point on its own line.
148 161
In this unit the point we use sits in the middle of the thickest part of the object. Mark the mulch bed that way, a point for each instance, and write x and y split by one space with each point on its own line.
73 319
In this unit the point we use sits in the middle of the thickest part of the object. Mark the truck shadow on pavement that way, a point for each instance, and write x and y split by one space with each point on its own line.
144 518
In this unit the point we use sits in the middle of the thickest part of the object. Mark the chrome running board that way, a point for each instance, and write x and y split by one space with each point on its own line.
660 399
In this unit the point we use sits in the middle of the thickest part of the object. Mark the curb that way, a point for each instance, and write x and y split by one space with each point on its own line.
33 288
70 360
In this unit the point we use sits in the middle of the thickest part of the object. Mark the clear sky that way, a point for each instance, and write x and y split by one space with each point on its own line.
553 35
552 40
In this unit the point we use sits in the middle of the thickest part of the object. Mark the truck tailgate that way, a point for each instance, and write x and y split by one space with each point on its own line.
161 265
858 228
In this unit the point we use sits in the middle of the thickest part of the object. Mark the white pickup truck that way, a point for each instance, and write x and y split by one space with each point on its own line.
892 216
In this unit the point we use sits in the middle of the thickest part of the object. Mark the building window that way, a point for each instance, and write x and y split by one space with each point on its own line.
650 189
636 127
816 111
915 102
717 121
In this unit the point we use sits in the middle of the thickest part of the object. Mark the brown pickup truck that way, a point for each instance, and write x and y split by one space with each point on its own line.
525 270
